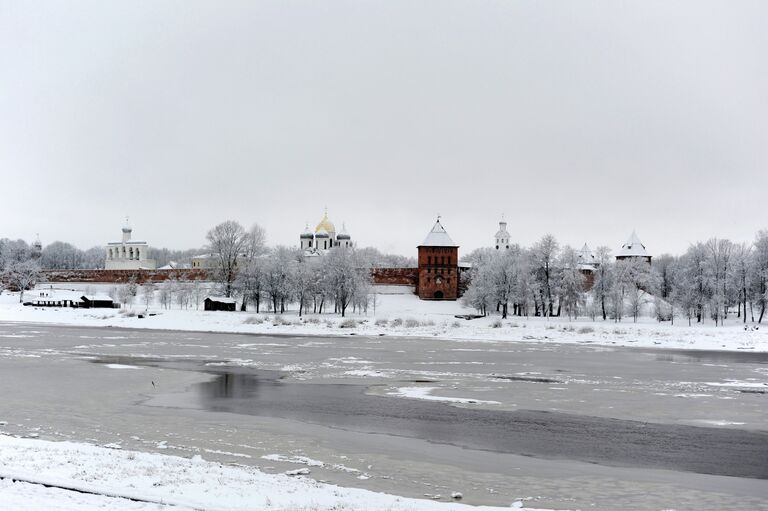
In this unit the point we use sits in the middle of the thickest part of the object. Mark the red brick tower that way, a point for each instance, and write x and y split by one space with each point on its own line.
438 266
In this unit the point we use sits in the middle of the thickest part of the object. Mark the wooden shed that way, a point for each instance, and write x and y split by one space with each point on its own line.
220 303
97 302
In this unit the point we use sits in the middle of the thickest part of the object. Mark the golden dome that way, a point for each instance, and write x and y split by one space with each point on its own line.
326 225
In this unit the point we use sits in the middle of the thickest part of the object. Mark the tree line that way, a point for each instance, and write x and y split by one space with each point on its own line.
716 279
246 268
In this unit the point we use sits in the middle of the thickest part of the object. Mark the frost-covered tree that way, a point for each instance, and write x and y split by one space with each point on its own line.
503 272
640 286
695 279
60 255
481 293
148 293
125 295
198 292
382 260
13 251
345 277
227 243
663 267
93 259
167 290
22 275
759 288
742 277
250 281
524 287
304 281
250 273
718 269
571 283
278 274
601 288
545 252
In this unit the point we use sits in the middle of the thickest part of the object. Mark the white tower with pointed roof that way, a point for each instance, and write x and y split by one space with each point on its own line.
586 258
502 236
633 248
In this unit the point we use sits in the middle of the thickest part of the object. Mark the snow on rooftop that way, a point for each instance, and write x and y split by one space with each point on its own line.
438 237
585 255
97 297
633 247
221 299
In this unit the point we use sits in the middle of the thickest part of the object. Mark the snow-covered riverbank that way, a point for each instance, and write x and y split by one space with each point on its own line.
38 474
406 315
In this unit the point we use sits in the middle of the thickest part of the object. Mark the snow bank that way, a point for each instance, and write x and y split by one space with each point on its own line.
123 480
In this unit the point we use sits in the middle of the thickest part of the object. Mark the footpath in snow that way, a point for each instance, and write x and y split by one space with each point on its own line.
41 475
406 315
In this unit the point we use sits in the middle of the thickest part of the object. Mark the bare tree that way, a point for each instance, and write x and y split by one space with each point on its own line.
148 292
545 254
250 269
346 276
760 273
227 242
571 282
742 277
601 288
277 276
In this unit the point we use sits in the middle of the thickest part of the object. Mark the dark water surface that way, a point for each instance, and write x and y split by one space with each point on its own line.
541 434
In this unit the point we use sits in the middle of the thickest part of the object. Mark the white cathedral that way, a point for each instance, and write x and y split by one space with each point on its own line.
128 254
323 238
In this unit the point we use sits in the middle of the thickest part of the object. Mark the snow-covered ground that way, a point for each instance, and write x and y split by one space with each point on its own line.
41 475
400 315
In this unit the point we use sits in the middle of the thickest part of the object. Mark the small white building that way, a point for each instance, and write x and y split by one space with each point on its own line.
128 254
502 236
204 261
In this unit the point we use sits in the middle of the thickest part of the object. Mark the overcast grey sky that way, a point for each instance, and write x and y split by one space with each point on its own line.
583 119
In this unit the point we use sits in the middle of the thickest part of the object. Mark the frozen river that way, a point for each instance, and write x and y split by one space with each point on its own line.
570 426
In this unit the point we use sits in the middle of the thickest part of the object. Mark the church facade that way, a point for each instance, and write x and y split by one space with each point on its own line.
128 254
323 238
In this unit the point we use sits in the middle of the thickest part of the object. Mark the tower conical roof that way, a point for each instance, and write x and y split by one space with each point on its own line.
585 254
438 237
633 247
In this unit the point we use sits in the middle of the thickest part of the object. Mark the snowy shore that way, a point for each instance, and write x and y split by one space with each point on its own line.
38 474
407 316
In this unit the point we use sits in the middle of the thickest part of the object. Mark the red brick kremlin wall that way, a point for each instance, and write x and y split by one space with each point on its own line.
384 276
117 276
